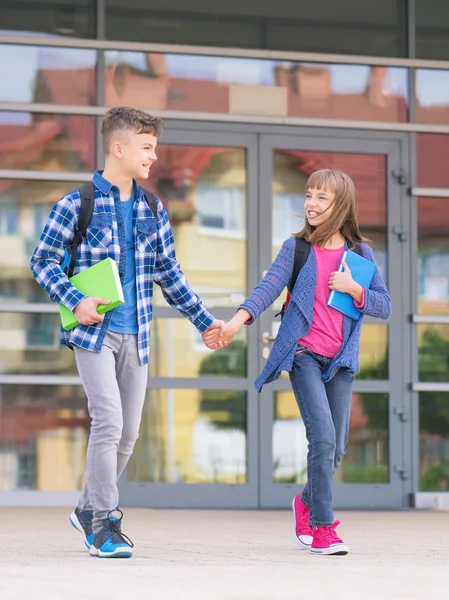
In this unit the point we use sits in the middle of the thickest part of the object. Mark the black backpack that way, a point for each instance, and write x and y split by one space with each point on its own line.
87 195
302 249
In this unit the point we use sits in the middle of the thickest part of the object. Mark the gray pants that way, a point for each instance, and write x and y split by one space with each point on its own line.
115 385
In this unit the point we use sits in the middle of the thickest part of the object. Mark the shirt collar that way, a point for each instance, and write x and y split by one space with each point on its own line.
105 186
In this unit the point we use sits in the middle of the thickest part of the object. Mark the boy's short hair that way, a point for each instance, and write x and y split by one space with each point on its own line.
131 119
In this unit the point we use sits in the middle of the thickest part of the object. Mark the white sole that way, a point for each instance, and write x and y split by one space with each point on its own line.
304 543
335 550
117 553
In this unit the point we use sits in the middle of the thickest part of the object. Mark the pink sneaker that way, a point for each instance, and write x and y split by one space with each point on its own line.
326 541
303 533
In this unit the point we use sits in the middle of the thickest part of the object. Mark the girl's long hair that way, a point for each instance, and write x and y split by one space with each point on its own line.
343 217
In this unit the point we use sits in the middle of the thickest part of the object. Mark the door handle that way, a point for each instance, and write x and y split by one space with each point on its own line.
267 338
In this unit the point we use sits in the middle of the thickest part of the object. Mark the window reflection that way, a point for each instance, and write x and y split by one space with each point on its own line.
433 352
52 17
192 436
433 255
29 345
371 29
177 350
43 437
432 151
47 75
434 441
24 209
42 142
204 191
252 86
366 460
432 29
432 96
373 352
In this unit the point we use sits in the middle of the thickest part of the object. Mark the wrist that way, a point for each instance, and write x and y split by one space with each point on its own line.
356 291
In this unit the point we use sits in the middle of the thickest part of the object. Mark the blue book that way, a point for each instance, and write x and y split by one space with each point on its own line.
362 271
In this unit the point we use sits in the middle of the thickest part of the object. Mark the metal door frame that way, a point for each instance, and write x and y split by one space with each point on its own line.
209 495
396 493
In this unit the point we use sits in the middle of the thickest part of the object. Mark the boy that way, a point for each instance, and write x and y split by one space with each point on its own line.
112 350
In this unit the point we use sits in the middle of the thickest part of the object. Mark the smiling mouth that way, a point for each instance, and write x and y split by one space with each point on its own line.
312 214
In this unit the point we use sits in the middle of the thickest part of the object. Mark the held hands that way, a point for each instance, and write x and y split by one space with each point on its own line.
342 281
218 335
86 311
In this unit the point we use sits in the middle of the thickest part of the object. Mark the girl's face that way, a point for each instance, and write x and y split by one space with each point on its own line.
318 206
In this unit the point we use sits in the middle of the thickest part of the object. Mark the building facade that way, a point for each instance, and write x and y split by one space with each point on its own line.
253 101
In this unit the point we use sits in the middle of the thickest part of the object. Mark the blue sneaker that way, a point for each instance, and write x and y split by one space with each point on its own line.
82 520
110 542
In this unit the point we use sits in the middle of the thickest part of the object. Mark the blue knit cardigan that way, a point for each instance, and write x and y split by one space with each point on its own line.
298 316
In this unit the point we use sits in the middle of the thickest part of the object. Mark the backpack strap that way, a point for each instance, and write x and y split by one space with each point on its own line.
151 201
87 196
302 249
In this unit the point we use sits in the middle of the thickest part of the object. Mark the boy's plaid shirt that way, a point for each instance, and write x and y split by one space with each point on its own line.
154 253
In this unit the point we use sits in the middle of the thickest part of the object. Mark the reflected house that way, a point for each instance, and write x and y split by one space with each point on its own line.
185 177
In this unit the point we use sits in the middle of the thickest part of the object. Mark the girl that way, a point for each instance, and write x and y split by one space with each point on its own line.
316 344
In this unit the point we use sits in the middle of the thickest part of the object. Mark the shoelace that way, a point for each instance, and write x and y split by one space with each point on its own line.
115 527
329 534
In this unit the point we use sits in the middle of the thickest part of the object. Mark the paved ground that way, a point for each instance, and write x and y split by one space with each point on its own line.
224 555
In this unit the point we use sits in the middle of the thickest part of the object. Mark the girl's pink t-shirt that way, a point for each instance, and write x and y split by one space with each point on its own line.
326 333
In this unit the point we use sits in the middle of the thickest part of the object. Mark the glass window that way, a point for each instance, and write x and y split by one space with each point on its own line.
47 75
433 441
192 436
432 29
433 255
43 437
29 345
177 350
432 152
24 209
432 96
44 142
371 29
433 352
252 86
204 191
54 17
373 352
366 460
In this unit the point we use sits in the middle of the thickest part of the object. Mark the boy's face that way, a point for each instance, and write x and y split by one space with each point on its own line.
136 153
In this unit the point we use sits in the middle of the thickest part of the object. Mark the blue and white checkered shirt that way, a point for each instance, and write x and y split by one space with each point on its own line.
154 253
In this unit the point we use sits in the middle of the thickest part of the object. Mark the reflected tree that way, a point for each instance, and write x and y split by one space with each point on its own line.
226 408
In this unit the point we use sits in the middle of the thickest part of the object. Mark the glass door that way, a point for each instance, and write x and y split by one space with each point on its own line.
376 469
198 438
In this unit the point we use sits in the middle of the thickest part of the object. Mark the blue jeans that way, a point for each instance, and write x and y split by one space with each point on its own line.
325 409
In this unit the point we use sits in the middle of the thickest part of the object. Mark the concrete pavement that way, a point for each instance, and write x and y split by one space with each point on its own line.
225 555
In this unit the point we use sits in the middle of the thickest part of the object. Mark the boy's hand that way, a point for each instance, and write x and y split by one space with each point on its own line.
86 311
215 335
218 336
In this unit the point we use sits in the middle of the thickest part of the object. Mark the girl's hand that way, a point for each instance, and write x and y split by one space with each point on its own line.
342 281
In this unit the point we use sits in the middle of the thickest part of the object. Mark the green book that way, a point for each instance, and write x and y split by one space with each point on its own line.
101 281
